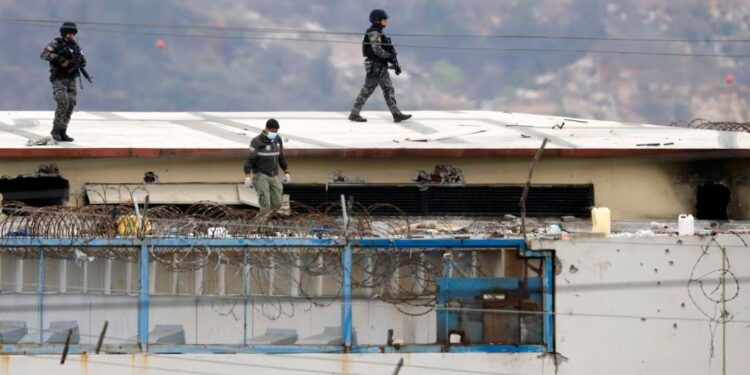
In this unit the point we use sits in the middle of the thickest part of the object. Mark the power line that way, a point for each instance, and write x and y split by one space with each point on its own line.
413 46
438 47
421 35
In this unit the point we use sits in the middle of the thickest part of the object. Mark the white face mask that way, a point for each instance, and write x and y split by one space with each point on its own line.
271 135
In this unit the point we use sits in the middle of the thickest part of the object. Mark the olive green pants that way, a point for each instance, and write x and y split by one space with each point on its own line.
269 191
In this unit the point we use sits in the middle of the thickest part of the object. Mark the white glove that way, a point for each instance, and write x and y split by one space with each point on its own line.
287 178
249 181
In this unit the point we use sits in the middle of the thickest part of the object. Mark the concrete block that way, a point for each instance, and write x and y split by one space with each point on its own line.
11 331
330 336
276 336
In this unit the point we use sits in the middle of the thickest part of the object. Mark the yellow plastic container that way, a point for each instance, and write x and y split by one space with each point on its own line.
600 220
129 225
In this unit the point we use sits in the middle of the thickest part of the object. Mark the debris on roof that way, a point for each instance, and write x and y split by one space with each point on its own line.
336 177
482 133
44 141
442 174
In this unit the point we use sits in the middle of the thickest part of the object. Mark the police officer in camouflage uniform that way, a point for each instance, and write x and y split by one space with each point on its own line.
262 167
378 52
65 58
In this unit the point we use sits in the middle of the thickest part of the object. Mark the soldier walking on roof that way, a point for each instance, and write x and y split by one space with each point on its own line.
66 62
378 52
262 167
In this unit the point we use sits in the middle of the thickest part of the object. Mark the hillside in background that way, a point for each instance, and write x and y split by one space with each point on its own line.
209 70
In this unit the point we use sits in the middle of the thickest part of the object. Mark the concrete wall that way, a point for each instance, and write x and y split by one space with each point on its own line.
225 364
624 307
215 319
632 310
633 188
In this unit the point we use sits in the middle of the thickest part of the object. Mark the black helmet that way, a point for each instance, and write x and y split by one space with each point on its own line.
378 14
68 27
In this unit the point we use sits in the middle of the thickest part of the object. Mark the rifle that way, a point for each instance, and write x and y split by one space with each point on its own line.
75 62
395 66
85 74
388 47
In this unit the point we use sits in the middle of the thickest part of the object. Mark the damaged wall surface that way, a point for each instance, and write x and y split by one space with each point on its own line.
637 188
652 305
624 306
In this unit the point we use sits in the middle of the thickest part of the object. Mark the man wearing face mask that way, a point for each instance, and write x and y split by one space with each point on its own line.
262 167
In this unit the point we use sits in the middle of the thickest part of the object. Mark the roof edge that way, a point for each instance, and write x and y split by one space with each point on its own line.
73 153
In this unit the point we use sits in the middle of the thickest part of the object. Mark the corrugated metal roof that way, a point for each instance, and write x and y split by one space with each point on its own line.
438 133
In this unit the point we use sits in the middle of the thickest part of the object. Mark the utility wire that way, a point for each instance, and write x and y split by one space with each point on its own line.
356 33
413 46
439 47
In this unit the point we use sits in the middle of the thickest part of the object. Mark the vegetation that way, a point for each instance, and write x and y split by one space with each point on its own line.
197 73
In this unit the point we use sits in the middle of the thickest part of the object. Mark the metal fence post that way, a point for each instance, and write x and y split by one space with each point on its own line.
245 292
548 301
143 297
40 288
447 264
346 283
346 309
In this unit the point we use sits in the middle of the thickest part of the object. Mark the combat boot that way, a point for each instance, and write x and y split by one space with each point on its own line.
64 136
56 135
356 118
398 117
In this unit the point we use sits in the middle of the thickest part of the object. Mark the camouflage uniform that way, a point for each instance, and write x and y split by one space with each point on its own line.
63 80
377 75
376 66
64 92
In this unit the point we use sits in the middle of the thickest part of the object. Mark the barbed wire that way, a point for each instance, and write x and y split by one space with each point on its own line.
404 278
699 123
397 276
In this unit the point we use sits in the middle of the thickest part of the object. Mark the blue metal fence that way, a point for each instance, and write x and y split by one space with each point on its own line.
250 244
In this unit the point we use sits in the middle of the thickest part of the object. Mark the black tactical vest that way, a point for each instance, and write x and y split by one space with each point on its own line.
367 51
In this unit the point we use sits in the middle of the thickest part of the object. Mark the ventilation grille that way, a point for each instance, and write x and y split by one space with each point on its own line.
473 200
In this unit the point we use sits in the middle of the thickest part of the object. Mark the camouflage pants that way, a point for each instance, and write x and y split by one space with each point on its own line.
65 93
377 75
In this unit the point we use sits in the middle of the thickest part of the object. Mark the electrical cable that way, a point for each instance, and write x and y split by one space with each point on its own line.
400 45
278 30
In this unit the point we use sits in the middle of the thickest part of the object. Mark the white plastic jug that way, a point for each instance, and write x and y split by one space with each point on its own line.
600 220
685 225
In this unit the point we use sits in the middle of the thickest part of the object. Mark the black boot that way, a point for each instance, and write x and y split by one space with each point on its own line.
398 117
64 136
356 118
56 135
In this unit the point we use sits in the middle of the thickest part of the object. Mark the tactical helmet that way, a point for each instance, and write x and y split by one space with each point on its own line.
378 14
68 27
